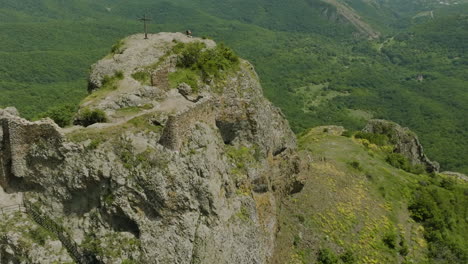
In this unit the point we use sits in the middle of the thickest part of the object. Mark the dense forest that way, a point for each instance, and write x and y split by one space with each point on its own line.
312 62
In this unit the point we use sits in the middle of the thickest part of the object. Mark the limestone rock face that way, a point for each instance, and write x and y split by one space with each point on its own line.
167 179
405 141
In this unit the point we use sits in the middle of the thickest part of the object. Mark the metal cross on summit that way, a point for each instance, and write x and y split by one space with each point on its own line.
145 19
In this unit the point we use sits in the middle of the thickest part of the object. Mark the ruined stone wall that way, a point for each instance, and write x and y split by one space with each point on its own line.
178 126
160 79
18 137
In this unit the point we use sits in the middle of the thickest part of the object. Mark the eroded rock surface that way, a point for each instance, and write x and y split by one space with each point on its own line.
405 141
169 180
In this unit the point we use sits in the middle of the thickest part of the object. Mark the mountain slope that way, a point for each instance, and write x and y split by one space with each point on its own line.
357 208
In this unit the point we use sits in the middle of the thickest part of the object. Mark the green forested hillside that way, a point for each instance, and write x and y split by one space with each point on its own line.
310 61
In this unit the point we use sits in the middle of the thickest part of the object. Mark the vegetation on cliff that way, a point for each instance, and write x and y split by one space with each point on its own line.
198 63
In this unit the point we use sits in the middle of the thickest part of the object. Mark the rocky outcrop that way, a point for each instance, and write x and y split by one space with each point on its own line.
404 140
176 182
456 175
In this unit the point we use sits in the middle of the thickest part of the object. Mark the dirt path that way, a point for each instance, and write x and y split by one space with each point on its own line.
173 104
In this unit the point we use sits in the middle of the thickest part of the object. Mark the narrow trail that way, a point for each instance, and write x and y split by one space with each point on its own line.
172 104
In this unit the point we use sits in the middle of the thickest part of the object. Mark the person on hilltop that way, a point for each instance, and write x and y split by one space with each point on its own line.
188 33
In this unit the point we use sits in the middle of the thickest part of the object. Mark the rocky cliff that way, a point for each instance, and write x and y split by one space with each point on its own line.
405 142
176 170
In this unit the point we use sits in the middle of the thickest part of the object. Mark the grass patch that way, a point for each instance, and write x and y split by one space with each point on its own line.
118 48
132 110
143 77
109 84
242 158
243 214
40 235
100 135
355 165
188 76
143 123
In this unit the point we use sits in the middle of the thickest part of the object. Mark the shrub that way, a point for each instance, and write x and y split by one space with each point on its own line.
390 240
62 115
377 139
39 235
417 169
189 53
326 256
441 212
119 75
213 62
107 80
117 48
348 257
87 117
403 247
399 161
448 184
184 76
210 63
356 165
347 133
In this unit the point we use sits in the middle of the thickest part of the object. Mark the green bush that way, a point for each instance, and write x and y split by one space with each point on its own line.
119 75
39 235
211 63
347 133
390 240
404 250
184 76
348 257
117 48
326 256
87 117
442 212
356 165
377 139
447 183
62 115
189 53
399 161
